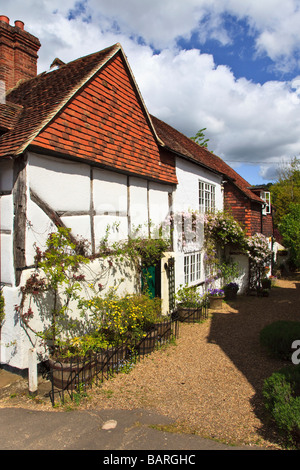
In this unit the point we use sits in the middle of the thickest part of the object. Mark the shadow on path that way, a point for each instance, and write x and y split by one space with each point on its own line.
236 331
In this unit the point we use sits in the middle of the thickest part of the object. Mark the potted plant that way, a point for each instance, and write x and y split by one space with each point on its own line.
77 360
266 283
216 296
230 290
189 303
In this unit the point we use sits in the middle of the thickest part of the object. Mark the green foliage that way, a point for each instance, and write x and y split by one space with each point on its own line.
200 139
282 400
103 320
59 275
78 346
224 230
2 304
229 270
189 297
143 252
118 318
277 338
286 190
290 230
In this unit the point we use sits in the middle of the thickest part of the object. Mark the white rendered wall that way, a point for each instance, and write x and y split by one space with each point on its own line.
62 184
6 240
185 199
138 206
110 205
187 192
71 189
158 204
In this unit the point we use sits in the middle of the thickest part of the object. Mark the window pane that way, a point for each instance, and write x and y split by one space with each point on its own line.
206 197
198 266
186 269
192 263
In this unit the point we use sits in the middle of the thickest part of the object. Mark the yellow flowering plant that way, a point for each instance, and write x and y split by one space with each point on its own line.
124 318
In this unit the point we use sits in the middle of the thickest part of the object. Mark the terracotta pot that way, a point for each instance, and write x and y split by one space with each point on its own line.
215 303
68 375
189 314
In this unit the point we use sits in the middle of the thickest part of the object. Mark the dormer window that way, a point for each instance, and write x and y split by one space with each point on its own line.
266 197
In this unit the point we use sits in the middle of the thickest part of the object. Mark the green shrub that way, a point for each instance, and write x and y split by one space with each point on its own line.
278 337
282 400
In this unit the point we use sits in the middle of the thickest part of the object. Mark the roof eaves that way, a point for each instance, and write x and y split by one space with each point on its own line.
193 160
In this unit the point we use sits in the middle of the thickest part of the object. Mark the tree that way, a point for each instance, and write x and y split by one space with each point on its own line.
286 190
199 138
290 231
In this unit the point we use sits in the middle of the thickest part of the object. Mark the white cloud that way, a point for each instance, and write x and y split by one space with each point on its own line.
245 121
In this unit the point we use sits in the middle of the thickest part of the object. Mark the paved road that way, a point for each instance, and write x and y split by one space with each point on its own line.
23 429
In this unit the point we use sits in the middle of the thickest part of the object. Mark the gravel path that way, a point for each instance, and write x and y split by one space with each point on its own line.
210 382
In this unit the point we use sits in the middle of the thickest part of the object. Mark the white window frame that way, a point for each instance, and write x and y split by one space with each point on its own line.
207 197
192 267
266 197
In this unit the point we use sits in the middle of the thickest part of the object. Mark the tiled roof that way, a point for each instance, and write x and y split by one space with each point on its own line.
9 114
42 97
90 109
187 148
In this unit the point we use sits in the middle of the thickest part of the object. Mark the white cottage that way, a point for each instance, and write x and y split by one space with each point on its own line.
78 149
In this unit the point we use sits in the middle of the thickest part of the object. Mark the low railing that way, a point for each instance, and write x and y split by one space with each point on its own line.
79 373
191 314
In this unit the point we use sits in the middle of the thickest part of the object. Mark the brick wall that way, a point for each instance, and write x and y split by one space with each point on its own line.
236 204
267 224
248 213
18 53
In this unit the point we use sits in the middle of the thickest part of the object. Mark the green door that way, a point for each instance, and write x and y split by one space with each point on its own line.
151 280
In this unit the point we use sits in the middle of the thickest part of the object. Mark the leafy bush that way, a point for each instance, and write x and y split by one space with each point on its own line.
122 318
189 297
290 230
282 400
279 336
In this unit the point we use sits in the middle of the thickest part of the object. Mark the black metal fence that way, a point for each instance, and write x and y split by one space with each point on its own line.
192 314
79 373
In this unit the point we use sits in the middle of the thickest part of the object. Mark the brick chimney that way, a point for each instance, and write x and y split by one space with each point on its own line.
18 53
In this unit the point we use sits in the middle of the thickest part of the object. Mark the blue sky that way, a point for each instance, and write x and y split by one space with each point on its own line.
229 66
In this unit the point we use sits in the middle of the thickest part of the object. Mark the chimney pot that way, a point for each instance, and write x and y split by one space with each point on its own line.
19 24
4 18
18 53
